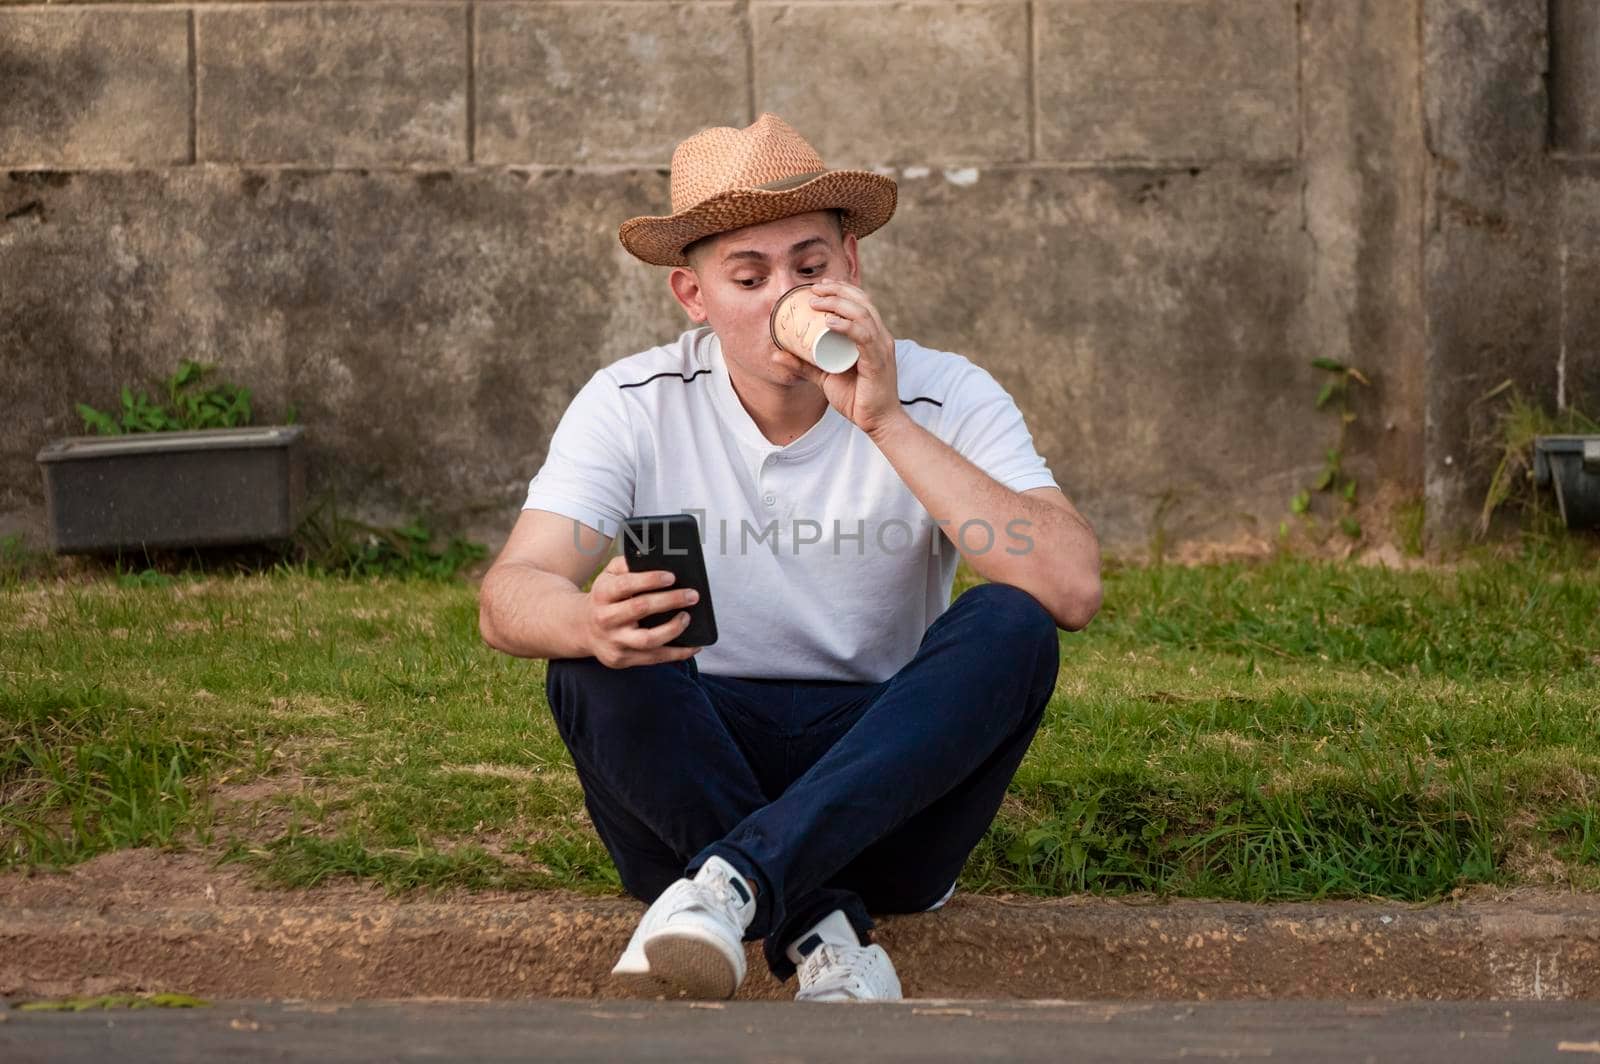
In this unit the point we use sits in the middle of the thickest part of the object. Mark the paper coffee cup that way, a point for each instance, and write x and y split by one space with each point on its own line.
802 330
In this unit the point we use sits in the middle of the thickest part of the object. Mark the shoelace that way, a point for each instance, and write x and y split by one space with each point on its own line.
722 892
818 959
839 974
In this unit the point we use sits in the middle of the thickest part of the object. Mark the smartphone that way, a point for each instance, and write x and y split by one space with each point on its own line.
672 542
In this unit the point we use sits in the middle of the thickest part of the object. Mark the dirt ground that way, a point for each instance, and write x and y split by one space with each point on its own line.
146 921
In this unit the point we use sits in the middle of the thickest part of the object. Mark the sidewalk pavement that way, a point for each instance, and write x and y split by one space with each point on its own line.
913 1031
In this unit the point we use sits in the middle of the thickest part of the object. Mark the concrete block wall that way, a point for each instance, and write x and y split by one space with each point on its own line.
1144 216
1512 113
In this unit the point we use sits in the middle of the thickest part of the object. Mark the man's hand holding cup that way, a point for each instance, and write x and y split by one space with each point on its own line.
827 329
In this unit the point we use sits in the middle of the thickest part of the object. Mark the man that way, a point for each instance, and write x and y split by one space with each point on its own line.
845 744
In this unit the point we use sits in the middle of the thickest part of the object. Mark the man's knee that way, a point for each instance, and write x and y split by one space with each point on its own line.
583 687
566 677
1014 618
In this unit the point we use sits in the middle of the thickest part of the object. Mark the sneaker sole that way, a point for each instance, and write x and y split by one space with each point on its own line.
641 985
691 966
839 997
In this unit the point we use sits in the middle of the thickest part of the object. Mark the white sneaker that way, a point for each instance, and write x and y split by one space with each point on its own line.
691 940
633 966
835 966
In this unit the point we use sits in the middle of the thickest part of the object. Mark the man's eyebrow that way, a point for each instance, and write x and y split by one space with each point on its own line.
759 257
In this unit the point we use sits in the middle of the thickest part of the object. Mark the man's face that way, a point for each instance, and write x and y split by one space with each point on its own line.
733 280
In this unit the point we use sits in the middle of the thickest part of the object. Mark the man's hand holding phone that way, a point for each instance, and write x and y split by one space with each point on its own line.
619 600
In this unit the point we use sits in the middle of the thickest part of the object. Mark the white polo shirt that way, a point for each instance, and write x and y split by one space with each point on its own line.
822 564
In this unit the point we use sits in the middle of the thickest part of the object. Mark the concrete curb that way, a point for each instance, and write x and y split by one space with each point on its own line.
355 943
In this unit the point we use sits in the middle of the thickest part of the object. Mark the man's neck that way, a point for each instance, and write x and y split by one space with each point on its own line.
782 414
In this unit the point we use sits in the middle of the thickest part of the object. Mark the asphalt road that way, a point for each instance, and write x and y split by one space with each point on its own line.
1457 1032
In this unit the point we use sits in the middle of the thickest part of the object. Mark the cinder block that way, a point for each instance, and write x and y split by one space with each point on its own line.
1105 302
429 327
563 84
871 83
1363 165
1579 376
1167 80
1492 283
94 88
333 85
1575 76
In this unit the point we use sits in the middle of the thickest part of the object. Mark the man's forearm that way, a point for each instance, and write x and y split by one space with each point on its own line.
1007 537
529 613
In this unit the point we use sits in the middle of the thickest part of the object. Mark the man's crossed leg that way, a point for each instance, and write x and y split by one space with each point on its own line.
787 811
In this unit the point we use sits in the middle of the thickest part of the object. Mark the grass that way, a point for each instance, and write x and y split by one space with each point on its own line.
1290 729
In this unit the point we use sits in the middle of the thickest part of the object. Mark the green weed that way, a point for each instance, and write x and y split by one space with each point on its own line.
1578 830
83 776
21 564
1518 424
1335 481
329 542
191 403
1412 519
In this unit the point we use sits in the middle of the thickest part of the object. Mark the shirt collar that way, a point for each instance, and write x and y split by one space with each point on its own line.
739 421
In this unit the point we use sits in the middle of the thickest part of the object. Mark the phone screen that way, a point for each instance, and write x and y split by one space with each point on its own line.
672 542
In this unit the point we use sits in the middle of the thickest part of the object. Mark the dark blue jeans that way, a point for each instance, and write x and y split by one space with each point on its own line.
827 795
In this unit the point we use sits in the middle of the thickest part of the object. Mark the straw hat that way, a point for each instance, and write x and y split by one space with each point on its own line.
726 178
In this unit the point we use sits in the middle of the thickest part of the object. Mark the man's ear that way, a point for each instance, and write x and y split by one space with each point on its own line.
852 258
685 285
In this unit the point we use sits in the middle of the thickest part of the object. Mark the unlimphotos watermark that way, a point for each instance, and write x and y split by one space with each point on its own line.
894 536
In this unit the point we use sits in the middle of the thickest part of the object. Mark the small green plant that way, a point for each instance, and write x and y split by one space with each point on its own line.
191 403
1334 479
20 562
1577 828
329 542
146 577
1518 424
1412 518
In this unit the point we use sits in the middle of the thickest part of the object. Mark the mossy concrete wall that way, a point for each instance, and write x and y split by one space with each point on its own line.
1512 276
1144 216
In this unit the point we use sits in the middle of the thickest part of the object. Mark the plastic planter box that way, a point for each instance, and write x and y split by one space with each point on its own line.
1571 465
173 489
